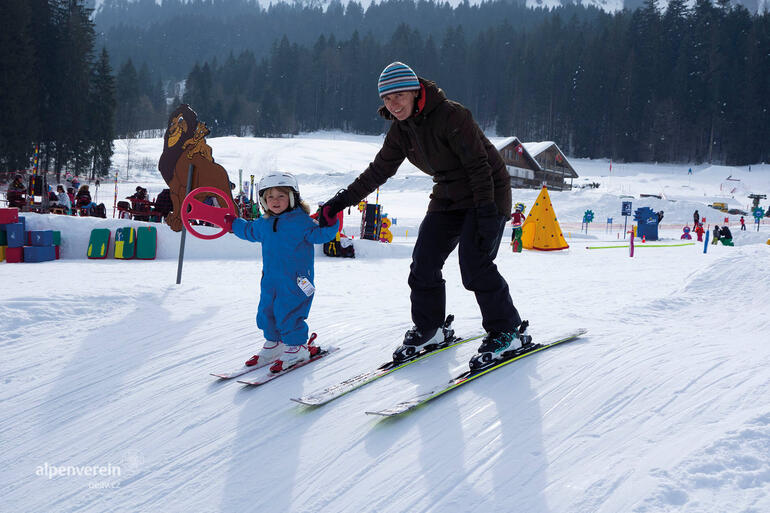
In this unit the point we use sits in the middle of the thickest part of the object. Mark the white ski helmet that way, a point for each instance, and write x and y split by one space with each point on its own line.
271 180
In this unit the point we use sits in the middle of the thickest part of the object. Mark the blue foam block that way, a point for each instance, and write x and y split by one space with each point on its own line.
15 234
39 253
40 237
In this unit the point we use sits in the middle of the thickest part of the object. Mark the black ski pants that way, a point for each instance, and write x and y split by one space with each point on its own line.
440 233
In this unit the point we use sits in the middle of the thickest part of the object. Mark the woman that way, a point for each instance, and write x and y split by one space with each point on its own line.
63 198
470 204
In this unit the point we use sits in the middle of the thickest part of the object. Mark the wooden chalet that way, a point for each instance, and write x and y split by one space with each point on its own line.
534 164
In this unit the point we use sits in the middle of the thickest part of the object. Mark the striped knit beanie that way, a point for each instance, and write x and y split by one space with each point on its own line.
397 77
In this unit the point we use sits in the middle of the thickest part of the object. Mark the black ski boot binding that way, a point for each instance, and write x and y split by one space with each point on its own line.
500 346
417 343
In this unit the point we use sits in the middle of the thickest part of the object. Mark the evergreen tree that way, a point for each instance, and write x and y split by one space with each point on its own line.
102 115
19 84
127 92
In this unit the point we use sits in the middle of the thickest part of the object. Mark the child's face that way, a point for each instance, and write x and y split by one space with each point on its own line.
277 200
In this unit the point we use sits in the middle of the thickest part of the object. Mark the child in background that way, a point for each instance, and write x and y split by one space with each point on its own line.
287 234
699 231
517 220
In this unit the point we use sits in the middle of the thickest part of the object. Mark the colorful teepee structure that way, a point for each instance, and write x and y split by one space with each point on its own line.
541 230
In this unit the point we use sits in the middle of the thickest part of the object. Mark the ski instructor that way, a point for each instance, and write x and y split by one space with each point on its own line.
469 206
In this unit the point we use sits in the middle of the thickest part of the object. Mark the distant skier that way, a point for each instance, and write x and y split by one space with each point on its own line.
715 238
287 235
470 204
517 220
695 218
743 224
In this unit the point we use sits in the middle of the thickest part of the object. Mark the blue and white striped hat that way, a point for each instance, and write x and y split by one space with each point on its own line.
397 77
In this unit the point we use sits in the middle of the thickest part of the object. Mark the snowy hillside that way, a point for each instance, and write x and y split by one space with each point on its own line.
662 407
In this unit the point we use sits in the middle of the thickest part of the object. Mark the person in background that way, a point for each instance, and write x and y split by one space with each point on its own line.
52 197
83 198
140 203
726 236
163 204
699 231
15 192
63 198
715 238
743 224
470 204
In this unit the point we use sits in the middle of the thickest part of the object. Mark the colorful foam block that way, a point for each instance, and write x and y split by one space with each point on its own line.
40 237
146 242
99 243
15 233
39 253
14 255
3 236
2 253
9 215
58 252
56 238
125 243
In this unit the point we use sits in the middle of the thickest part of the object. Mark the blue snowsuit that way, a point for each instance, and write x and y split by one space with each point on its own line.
287 254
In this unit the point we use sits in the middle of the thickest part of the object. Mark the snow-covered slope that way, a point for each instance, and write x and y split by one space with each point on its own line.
661 407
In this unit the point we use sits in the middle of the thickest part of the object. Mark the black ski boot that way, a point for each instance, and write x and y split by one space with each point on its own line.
499 346
417 342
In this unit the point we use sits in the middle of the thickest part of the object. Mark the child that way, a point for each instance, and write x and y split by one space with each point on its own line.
743 223
287 234
699 230
517 220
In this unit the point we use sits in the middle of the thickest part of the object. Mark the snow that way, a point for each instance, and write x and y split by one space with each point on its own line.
661 407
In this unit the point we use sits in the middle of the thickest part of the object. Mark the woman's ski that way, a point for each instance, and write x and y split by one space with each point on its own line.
333 392
468 376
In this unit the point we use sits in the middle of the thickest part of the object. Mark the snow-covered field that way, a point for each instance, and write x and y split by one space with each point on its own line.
663 406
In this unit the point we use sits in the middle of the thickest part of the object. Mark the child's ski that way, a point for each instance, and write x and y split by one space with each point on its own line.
246 368
468 376
240 372
266 376
333 392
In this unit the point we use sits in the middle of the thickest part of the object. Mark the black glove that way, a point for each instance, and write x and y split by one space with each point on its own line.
332 207
487 227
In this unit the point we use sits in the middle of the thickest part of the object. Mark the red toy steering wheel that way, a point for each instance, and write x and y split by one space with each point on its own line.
195 209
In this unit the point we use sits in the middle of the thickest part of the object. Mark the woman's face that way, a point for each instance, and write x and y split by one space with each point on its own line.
277 200
400 105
